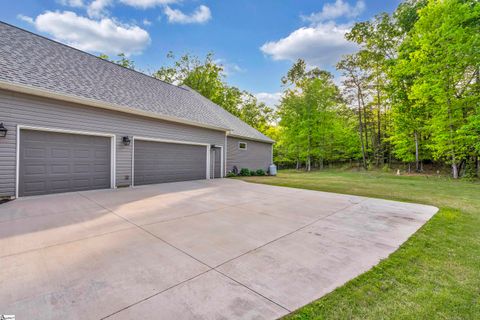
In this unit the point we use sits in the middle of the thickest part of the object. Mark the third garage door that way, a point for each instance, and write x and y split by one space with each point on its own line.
158 162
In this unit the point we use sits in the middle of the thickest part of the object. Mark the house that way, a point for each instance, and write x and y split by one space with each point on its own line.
77 122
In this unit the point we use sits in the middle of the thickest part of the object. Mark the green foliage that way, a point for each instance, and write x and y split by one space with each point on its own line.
244 172
260 172
122 60
314 123
207 77
253 173
231 175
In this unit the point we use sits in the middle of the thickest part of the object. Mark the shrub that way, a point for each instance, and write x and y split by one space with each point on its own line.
253 173
231 174
260 172
244 172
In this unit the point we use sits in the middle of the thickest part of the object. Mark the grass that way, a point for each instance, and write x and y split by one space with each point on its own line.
434 275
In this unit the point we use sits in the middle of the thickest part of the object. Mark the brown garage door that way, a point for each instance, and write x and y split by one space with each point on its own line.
51 162
158 162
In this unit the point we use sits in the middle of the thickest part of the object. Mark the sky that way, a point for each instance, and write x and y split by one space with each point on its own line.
255 40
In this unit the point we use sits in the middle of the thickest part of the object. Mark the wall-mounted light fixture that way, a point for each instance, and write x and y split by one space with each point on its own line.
3 131
126 141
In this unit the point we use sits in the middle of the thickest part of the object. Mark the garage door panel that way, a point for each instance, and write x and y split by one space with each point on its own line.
52 162
158 162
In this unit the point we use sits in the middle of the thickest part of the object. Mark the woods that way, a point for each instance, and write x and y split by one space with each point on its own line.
409 96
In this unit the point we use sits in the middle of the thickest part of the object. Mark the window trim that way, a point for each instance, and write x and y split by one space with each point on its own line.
240 142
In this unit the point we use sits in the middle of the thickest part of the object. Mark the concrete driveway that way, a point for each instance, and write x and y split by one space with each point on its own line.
218 249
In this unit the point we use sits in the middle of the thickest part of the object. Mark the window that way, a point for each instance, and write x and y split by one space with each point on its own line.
242 145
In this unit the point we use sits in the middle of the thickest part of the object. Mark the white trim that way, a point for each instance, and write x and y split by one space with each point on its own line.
207 145
99 104
208 161
113 150
132 176
246 145
222 166
170 141
225 158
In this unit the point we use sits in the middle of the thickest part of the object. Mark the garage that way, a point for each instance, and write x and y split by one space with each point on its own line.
55 162
160 161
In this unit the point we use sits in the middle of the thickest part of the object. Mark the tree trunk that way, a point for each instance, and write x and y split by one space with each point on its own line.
379 122
417 161
455 170
309 163
360 127
298 164
477 167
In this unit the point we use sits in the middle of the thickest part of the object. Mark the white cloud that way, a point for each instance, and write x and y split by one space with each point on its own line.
270 99
100 36
147 22
201 15
229 68
25 18
72 3
144 4
339 8
321 45
97 8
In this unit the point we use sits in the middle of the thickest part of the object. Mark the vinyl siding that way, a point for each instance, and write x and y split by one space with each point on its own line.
21 109
257 156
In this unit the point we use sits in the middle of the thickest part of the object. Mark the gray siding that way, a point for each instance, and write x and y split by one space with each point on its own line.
257 156
35 111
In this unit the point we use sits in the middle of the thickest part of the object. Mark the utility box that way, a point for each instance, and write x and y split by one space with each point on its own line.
272 170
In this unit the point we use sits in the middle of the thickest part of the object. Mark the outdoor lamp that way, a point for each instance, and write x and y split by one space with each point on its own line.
126 140
3 131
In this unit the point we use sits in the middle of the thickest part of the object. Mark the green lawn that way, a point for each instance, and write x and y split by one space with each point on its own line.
434 275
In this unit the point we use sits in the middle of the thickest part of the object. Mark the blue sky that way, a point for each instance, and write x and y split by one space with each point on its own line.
255 40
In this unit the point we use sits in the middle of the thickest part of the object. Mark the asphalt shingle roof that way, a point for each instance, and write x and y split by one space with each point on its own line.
32 60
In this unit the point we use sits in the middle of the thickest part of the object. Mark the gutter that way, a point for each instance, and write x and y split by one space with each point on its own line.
21 88
248 138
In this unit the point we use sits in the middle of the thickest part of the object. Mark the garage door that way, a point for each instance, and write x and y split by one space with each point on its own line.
51 162
158 162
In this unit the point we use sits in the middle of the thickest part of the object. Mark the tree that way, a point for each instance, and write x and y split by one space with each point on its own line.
312 127
378 40
122 60
355 83
207 77
446 41
409 134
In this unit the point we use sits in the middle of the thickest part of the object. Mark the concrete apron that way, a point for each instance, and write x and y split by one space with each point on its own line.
221 249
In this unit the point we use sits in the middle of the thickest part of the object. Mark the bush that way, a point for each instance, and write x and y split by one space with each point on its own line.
231 174
244 172
260 172
253 173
